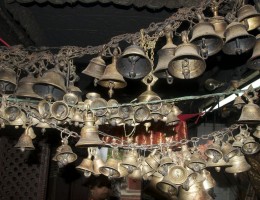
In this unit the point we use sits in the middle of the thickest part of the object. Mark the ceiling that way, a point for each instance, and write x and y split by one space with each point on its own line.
88 22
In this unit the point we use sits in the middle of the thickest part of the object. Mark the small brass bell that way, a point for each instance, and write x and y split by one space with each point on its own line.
77 117
96 105
218 22
112 105
95 68
115 120
7 80
125 112
196 192
209 182
29 131
25 88
253 62
25 142
238 40
196 163
239 164
86 166
204 36
248 15
97 163
20 121
250 146
165 55
73 96
187 63
228 151
257 132
59 110
238 102
134 63
89 133
250 114
51 85
110 169
130 162
153 159
136 174
122 170
142 113
44 108
177 174
166 185
12 113
214 152
66 155
156 178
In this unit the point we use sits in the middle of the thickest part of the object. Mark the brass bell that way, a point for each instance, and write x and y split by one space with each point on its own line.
73 96
218 165
59 110
115 120
239 164
253 62
136 174
214 152
250 114
153 159
238 40
257 132
156 178
29 131
196 163
228 151
212 84
187 63
172 119
97 163
209 182
95 68
165 163
89 133
92 95
142 113
66 155
122 170
196 192
250 146
166 186
20 121
204 36
86 166
96 105
111 78
110 169
134 63
177 174
248 15
44 108
130 162
12 113
25 142
25 88
77 117
218 22
125 112
7 80
165 55
238 102
51 85
112 105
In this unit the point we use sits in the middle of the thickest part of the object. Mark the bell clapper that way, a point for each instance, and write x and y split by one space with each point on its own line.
204 49
185 68
110 91
238 49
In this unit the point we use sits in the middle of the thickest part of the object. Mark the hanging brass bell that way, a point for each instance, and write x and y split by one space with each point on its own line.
257 132
136 174
112 105
25 142
122 170
96 104
142 113
248 15
238 40
115 120
218 22
66 155
25 88
196 192
165 163
253 62
89 134
177 174
165 55
187 63
238 102
229 151
7 80
125 111
51 85
86 166
156 178
166 185
209 182
250 114
153 159
12 113
239 164
250 146
110 169
59 110
95 68
44 108
97 163
196 163
73 96
221 163
77 117
130 162
172 119
134 63
214 152
29 131
204 36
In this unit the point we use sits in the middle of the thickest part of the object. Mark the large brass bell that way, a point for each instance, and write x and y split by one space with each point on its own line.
134 63
25 88
238 40
66 155
89 133
110 169
248 15
59 110
239 164
257 132
254 61
209 182
51 85
250 146
165 55
187 63
228 151
95 68
204 36
111 78
7 80
214 152
25 142
250 114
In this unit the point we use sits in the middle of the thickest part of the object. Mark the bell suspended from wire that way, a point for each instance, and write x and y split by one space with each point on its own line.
165 55
204 36
214 152
209 182
25 141
86 166
51 85
253 62
8 81
248 15
187 63
238 40
66 155
130 161
111 78
166 186
177 174
250 113
134 63
196 163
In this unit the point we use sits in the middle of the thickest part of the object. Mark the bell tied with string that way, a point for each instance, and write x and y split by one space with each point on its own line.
204 36
165 55
134 63
254 61
8 81
51 85
25 88
111 78
248 15
187 62
238 40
